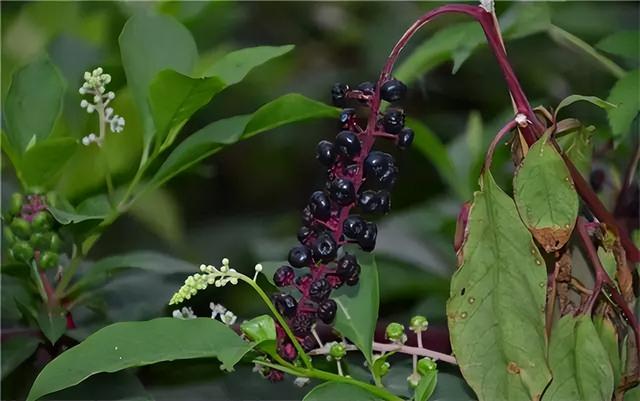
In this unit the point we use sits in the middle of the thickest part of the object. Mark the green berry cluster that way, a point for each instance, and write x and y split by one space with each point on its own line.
30 232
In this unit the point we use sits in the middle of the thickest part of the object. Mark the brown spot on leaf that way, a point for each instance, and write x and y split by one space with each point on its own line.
513 368
551 238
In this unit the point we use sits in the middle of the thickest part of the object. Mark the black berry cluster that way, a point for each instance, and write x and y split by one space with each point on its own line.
359 181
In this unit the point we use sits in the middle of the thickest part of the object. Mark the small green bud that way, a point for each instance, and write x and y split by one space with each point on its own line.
39 241
21 228
9 236
337 351
22 251
17 200
49 260
426 365
41 222
419 324
395 333
55 243
384 369
413 380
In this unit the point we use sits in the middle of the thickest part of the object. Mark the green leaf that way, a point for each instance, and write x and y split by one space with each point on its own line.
44 161
130 344
578 147
497 301
624 94
149 261
569 100
205 142
357 312
624 44
69 216
52 323
121 386
174 98
259 329
609 339
15 351
33 103
148 45
234 66
338 392
608 260
525 19
579 362
426 386
632 394
545 196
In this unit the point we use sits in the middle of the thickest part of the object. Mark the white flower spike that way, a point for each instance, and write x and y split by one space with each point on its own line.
95 86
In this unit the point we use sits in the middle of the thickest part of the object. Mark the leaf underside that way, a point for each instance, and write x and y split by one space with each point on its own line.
497 302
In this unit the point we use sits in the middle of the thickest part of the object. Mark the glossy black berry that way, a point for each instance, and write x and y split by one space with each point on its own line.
381 167
405 138
384 202
320 205
347 266
342 191
393 121
353 280
325 153
307 216
368 240
304 233
284 276
308 343
327 311
300 256
301 324
368 88
325 248
368 201
286 305
348 144
319 290
347 115
353 227
339 94
393 90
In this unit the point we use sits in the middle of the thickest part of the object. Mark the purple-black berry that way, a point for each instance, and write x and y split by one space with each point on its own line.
327 311
320 205
301 324
348 144
346 116
284 276
374 201
405 138
368 240
285 304
347 266
393 121
325 248
393 90
319 290
339 94
325 153
367 87
308 343
353 227
381 167
300 256
288 352
304 233
342 191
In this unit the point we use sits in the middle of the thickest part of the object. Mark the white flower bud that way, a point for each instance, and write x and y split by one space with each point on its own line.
258 268
87 75
92 137
111 95
90 108
86 141
96 98
84 103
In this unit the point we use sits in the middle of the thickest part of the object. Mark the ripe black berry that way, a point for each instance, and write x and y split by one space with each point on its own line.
353 280
301 324
405 138
308 343
342 191
384 202
393 121
320 206
348 144
327 311
347 115
325 153
304 233
368 88
393 90
325 248
319 290
381 166
368 240
338 94
307 216
283 276
369 201
286 305
300 256
347 266
353 227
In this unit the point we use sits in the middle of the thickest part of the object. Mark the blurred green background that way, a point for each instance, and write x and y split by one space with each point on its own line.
244 202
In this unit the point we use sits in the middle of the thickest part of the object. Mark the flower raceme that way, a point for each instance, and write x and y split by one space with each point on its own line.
94 85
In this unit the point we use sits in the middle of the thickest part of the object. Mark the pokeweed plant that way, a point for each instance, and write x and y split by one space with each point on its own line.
523 324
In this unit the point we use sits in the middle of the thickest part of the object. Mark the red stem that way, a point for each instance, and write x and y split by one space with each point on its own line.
492 147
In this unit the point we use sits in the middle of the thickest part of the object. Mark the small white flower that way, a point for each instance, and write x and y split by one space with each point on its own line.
90 108
111 95
216 309
83 103
301 381
184 313
86 141
228 318
258 268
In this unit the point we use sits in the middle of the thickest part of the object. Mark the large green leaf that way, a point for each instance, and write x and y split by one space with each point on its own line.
129 344
578 147
609 339
624 94
624 44
497 300
149 44
596 101
338 392
545 196
52 323
579 362
357 312
426 386
33 103
15 351
173 99
234 66
284 110
44 161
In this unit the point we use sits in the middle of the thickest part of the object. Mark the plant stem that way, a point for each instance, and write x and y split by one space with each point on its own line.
510 126
403 349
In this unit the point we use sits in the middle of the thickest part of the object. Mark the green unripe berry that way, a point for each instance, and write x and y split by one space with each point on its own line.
9 236
49 260
39 241
413 380
395 332
22 251
55 243
41 222
384 369
17 200
419 323
337 351
426 366
21 228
